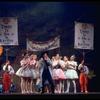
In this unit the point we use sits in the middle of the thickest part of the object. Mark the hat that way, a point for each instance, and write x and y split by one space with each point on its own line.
44 53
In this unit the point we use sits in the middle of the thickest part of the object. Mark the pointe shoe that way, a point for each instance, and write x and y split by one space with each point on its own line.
27 92
56 91
24 92
74 91
66 91
59 92
34 92
31 91
47 92
62 91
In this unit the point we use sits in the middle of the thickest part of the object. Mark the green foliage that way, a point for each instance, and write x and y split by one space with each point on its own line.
91 74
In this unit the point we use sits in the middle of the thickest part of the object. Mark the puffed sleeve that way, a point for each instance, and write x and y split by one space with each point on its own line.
62 63
75 63
86 70
4 67
11 70
22 63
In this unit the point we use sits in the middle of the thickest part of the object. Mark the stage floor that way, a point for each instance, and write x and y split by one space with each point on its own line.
90 95
71 93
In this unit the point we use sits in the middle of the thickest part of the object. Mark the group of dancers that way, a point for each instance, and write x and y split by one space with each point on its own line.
50 73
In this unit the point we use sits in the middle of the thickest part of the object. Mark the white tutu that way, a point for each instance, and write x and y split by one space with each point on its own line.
35 73
19 72
71 74
24 72
58 74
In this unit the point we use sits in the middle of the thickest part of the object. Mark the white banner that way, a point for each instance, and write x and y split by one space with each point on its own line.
8 31
84 36
43 46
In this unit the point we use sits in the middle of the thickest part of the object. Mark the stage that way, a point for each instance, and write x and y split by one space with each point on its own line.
90 95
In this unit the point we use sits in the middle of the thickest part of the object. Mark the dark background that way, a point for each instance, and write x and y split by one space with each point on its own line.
43 20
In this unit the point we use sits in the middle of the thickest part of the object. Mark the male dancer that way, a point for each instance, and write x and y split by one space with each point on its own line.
9 71
83 80
45 64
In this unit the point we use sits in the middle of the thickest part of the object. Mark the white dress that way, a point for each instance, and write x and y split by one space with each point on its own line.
57 72
24 72
34 71
71 73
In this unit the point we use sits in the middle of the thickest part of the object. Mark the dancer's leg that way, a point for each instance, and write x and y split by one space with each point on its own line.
31 86
60 83
68 85
27 85
74 83
63 81
34 84
22 80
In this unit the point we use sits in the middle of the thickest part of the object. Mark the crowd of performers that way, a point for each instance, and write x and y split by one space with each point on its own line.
51 74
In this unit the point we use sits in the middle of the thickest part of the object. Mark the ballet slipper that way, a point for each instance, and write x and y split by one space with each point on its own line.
27 92
31 91
59 91
67 91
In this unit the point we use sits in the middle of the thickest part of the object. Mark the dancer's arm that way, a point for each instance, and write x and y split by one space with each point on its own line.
61 64
54 64
37 65
25 65
48 61
86 70
66 66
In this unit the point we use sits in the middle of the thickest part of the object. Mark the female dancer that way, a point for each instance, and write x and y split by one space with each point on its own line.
65 59
57 73
25 73
71 73
29 80
35 72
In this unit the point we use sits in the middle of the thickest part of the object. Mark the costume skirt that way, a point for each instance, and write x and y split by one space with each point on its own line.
24 72
35 73
71 74
58 74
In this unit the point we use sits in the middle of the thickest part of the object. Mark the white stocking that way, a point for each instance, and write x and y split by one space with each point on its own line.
63 85
60 86
74 85
68 85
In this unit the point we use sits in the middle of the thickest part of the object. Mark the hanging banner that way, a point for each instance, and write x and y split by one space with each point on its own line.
84 36
43 46
8 31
